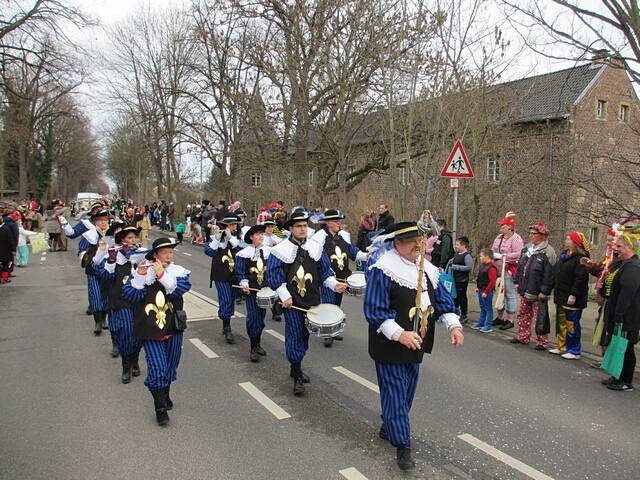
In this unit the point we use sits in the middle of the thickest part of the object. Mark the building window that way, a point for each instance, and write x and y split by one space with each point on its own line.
350 170
493 171
254 210
256 180
311 178
338 177
593 236
403 176
601 109
623 115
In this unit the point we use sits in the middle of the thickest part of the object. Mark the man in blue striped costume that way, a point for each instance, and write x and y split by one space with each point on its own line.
222 250
115 265
156 290
295 270
395 346
251 270
88 246
338 247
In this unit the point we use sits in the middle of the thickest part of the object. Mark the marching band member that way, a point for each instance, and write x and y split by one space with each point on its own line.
271 240
222 250
390 309
251 269
338 247
88 246
295 270
156 290
115 265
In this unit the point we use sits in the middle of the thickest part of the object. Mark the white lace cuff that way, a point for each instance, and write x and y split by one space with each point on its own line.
451 321
391 329
283 293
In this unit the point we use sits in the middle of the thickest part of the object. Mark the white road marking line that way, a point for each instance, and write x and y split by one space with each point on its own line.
214 303
352 473
187 254
504 458
265 401
357 378
203 348
273 333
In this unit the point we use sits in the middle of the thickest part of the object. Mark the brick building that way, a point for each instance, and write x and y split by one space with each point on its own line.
551 147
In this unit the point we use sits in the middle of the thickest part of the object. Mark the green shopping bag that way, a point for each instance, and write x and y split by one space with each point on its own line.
614 358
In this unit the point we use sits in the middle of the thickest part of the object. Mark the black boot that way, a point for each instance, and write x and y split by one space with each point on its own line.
135 367
114 345
160 404
169 402
89 311
298 383
253 355
405 462
226 331
259 348
126 369
328 342
276 312
97 318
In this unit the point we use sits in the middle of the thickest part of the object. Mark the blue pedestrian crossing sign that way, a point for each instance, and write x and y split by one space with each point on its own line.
458 164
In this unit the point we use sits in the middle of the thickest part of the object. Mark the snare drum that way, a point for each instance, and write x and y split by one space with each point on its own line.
266 298
325 320
356 284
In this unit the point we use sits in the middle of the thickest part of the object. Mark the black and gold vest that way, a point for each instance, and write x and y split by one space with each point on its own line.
116 300
257 271
337 249
223 266
403 302
303 281
155 315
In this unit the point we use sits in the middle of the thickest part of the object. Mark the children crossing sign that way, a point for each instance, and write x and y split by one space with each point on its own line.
458 164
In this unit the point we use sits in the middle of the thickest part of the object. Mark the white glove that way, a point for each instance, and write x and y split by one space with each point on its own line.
62 220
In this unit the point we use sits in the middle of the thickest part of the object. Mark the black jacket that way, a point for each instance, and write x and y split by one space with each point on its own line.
535 273
8 243
572 278
623 305
385 219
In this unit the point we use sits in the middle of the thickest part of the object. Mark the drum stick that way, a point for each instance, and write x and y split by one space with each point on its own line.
297 308
252 289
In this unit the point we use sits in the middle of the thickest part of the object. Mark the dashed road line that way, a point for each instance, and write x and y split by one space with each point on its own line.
265 401
273 333
187 254
503 457
357 378
352 473
203 348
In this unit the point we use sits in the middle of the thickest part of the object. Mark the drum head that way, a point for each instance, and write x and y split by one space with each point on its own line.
325 314
265 292
357 280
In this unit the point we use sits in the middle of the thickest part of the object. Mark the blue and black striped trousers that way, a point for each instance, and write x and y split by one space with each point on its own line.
296 335
121 322
397 384
329 296
255 316
98 301
163 358
226 300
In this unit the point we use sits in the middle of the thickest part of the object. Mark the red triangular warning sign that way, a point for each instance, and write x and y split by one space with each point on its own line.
458 164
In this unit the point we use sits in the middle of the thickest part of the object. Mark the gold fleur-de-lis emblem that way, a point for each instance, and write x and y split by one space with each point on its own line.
124 279
340 257
160 308
301 278
228 258
259 270
424 316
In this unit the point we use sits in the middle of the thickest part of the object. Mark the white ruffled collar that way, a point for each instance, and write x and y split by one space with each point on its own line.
251 252
286 250
405 273
172 269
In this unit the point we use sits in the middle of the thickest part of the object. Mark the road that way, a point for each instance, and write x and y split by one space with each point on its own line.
491 410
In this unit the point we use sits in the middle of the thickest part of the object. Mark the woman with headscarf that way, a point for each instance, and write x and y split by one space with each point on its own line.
570 294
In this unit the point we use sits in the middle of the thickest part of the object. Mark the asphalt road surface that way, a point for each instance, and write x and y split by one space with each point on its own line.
491 410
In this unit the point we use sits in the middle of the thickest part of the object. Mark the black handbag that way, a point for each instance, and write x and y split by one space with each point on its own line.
543 322
181 320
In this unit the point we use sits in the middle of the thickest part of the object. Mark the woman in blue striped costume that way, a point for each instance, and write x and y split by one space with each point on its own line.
156 289
251 272
88 246
390 309
295 270
222 249
115 265
338 247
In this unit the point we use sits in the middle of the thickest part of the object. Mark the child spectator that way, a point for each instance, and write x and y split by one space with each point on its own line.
461 265
180 229
486 283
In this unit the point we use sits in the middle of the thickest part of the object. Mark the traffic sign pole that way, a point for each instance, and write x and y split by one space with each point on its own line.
454 227
456 167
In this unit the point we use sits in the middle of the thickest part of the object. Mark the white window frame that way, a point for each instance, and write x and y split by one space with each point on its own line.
403 176
624 118
593 235
601 109
493 170
337 176
310 183
350 169
256 180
